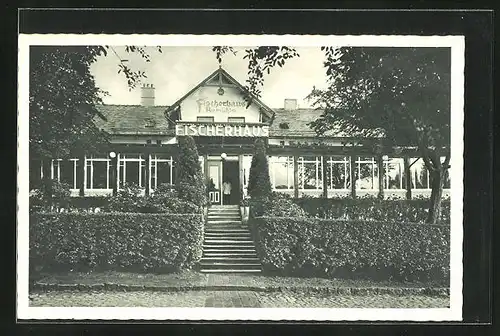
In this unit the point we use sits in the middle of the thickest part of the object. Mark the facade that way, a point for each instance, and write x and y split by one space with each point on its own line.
225 126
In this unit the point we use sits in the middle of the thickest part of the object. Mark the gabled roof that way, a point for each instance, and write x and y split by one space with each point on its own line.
224 78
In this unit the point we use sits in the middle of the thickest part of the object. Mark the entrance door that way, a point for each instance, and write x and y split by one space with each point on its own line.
231 180
214 182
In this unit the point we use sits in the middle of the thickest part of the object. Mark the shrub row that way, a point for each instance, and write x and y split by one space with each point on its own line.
114 241
376 250
414 211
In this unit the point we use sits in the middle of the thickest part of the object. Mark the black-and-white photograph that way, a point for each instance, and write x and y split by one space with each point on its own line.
319 173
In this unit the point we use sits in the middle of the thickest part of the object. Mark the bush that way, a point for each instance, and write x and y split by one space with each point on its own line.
114 241
376 250
276 205
259 183
51 195
414 211
128 199
190 180
166 199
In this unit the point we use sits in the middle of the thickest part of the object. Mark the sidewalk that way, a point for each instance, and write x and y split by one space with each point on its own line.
195 281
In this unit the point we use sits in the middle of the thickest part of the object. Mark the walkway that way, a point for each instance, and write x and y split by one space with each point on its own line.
194 289
232 299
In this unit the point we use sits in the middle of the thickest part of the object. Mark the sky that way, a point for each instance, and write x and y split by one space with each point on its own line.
177 70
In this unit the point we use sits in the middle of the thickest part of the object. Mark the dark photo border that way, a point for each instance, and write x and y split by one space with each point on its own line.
476 26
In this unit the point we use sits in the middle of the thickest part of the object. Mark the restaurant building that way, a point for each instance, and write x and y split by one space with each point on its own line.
224 126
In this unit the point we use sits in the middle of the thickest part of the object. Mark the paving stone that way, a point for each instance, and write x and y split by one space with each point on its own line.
231 299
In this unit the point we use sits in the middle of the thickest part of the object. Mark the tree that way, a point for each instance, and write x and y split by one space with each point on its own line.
62 99
259 183
190 182
400 95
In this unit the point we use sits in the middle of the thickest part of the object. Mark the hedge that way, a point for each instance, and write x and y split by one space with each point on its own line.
114 241
340 248
414 211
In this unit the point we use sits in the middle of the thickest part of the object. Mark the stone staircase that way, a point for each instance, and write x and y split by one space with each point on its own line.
228 246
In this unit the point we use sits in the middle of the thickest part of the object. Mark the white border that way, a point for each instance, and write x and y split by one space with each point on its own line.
454 313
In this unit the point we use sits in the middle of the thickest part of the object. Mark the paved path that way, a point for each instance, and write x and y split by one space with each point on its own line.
232 299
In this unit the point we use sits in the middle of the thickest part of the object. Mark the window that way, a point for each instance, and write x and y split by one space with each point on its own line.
97 173
419 174
281 172
367 173
35 174
393 177
236 119
338 172
161 170
205 119
65 171
310 172
132 170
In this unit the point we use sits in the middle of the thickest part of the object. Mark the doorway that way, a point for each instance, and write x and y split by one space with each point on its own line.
231 175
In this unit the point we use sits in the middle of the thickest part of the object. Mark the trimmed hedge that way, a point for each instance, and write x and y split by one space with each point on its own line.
114 241
413 211
375 250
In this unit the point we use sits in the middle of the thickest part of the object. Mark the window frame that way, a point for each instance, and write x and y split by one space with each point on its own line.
212 119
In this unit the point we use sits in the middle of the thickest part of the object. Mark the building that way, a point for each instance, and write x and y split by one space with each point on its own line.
225 127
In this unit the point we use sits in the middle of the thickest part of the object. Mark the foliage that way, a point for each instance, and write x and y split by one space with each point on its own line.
372 209
52 194
260 62
340 248
114 241
190 181
127 199
62 99
259 183
167 199
277 205
399 96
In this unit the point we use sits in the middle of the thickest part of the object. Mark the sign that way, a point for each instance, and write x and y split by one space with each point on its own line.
219 106
222 130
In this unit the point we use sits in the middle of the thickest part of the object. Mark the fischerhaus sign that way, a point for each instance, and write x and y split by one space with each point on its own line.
225 130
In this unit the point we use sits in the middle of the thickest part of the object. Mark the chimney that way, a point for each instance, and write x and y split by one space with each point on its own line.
290 104
147 95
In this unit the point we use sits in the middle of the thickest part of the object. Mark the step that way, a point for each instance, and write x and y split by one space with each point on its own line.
230 263
219 217
229 254
230 271
229 258
234 228
228 240
230 249
239 247
210 226
224 221
222 230
228 234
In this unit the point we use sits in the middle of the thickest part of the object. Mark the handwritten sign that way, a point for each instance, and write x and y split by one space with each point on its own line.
219 106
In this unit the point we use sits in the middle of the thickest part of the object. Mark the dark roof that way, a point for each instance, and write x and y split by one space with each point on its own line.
132 119
297 121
